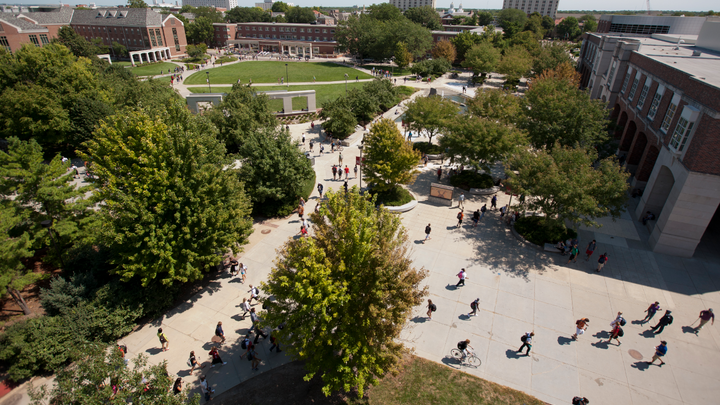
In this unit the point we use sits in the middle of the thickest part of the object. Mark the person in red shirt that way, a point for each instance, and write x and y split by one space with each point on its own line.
615 334
216 357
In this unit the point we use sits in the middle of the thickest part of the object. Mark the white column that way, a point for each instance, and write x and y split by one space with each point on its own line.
132 59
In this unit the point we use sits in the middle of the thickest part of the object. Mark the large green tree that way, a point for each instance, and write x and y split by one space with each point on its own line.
589 23
480 142
403 58
568 183
15 245
280 7
200 30
385 12
464 41
346 293
137 4
429 115
515 63
86 381
390 159
512 21
446 50
368 37
482 58
298 14
241 113
425 16
78 45
557 111
496 105
484 18
247 14
339 118
568 28
551 56
171 206
274 169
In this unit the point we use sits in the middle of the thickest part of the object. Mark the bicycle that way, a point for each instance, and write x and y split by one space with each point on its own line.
470 360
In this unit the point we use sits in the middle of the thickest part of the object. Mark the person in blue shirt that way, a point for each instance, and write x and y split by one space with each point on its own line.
660 351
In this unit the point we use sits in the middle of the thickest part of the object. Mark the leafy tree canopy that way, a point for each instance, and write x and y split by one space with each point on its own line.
241 113
479 142
495 105
435 67
137 4
346 293
403 58
464 41
568 28
550 56
566 183
390 159
589 23
280 7
430 114
247 14
339 119
385 12
425 16
515 64
300 15
273 168
484 18
169 205
368 37
548 23
200 30
482 58
512 21
444 49
558 112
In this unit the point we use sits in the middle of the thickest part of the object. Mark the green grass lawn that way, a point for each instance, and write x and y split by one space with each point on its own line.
323 93
396 71
152 70
121 63
270 72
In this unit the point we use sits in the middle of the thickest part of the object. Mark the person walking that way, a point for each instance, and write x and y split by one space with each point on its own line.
526 342
460 217
205 389
602 260
320 189
164 343
660 352
301 211
340 158
194 363
177 387
651 311
573 254
666 320
580 401
233 267
616 333
482 211
347 172
312 144
345 186
256 326
243 272
303 138
461 201
493 202
580 327
275 343
590 249
219 332
252 357
428 229
431 308
476 218
705 317
334 170
254 292
216 357
439 173
462 276
474 306
355 169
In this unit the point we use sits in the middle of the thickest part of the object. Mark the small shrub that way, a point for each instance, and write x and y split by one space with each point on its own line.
394 197
542 230
427 148
469 179
61 295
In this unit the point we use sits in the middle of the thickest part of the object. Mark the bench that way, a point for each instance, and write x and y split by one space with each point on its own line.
549 247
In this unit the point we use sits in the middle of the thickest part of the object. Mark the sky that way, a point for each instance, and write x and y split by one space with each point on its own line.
689 5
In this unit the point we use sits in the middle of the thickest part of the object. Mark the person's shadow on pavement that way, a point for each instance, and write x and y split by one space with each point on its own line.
419 319
451 287
647 334
601 344
688 329
512 354
640 365
153 350
562 340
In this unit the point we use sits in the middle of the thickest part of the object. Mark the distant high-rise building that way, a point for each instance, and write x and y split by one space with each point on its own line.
544 7
226 4
406 4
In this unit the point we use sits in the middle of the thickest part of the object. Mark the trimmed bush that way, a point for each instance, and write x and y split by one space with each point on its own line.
469 179
427 148
542 230
394 197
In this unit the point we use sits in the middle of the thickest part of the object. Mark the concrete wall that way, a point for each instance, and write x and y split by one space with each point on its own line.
709 37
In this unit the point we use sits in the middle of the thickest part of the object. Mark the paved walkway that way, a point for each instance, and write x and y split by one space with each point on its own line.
520 289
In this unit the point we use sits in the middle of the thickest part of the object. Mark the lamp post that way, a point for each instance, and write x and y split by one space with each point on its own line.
346 77
361 164
47 224
208 81
287 77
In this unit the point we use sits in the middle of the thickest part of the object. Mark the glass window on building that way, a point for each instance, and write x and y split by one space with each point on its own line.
159 37
633 89
4 43
669 114
654 105
152 37
176 39
643 96
44 39
680 136
625 83
34 40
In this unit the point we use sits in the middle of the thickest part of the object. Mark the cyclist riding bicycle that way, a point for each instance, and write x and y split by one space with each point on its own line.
465 348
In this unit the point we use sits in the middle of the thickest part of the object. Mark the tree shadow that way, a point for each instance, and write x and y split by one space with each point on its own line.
512 354
640 365
450 228
419 319
689 329
562 340
153 350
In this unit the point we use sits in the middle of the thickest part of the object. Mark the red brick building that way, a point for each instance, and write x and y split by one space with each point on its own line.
293 39
665 99
144 32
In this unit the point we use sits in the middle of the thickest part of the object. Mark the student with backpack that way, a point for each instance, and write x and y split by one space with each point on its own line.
666 320
163 340
216 357
462 276
580 327
474 306
431 308
275 343
602 260
616 333
427 233
476 218
192 361
580 401
526 340
460 216
219 332
254 292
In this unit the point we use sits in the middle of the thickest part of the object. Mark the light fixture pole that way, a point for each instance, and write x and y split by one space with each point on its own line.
208 81
287 77
346 77
361 165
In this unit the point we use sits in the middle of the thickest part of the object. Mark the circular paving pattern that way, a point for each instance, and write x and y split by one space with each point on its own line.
635 354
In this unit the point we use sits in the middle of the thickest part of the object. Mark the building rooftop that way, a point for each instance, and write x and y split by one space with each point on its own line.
291 24
702 64
22 25
125 17
62 15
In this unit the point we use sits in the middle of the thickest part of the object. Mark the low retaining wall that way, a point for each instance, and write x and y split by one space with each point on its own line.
406 207
485 191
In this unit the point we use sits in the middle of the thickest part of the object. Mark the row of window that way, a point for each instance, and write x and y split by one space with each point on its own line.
640 29
268 36
287 29
687 119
